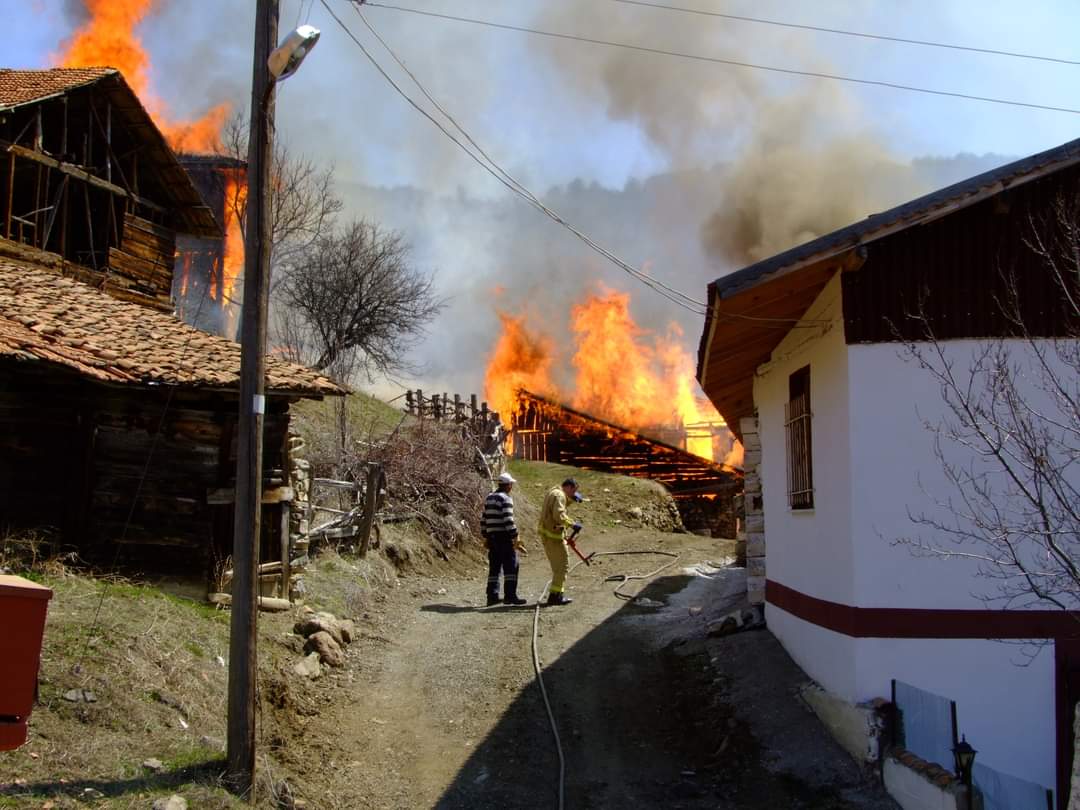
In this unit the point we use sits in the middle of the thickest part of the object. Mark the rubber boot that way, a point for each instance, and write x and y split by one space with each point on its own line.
558 599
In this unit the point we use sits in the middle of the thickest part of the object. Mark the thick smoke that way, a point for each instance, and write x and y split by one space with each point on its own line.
738 164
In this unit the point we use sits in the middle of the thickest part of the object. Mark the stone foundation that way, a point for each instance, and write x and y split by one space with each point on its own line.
752 536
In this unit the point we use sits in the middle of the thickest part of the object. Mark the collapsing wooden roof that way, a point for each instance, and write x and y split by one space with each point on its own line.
46 317
544 430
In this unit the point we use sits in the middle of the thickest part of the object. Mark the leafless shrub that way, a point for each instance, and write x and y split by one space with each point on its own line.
353 303
1013 410
303 201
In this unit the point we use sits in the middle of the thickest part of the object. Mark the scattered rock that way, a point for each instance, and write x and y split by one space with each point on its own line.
636 512
153 764
723 627
80 696
174 802
330 652
93 793
219 660
308 667
695 610
348 629
644 601
213 743
319 623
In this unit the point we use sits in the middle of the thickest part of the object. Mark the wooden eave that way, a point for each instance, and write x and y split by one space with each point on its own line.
744 328
189 211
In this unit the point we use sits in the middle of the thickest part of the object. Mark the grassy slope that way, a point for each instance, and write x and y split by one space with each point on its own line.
609 498
367 415
149 651
146 650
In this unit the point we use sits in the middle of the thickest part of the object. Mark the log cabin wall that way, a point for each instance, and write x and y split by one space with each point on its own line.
81 457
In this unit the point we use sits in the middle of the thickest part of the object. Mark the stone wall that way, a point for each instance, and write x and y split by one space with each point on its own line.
752 535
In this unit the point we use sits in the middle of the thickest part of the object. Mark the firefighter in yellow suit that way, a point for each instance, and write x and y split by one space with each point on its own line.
554 522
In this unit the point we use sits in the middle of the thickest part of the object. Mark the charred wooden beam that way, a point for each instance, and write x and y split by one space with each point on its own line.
79 173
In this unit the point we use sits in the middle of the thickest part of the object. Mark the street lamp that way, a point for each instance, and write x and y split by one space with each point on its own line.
271 64
286 58
964 759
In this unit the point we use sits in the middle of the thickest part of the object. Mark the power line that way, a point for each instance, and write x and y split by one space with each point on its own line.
731 62
638 274
676 297
884 37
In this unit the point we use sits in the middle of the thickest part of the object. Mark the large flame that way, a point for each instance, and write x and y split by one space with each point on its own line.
622 373
108 38
232 260
521 359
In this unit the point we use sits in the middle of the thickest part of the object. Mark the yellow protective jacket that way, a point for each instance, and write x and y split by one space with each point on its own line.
553 518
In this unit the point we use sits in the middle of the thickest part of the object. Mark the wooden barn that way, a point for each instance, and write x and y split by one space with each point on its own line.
117 420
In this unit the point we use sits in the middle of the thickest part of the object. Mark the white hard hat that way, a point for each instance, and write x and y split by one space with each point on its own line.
507 478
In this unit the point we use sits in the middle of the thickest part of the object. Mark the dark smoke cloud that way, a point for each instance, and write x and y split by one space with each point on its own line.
754 164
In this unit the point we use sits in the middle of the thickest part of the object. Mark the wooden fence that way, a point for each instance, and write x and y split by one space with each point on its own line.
474 417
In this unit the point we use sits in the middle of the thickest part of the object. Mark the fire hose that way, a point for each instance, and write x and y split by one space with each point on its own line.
623 579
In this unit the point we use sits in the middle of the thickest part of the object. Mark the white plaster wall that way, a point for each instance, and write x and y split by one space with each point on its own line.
1004 698
827 657
809 550
894 475
1005 701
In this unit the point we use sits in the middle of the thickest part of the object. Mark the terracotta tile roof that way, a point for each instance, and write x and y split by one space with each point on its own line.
44 316
23 86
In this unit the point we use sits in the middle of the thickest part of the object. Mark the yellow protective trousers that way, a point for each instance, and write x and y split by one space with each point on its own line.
555 548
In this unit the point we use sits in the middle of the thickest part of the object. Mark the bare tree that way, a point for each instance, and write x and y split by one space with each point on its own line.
303 202
353 303
1013 412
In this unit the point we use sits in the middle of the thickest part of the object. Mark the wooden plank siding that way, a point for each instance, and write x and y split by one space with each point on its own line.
142 267
955 270
123 472
953 275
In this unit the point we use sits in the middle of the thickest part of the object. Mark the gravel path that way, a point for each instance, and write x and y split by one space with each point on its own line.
444 711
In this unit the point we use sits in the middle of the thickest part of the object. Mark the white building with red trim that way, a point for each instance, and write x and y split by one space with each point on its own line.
809 353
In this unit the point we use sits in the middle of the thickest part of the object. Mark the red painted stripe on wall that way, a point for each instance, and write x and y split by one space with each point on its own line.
860 622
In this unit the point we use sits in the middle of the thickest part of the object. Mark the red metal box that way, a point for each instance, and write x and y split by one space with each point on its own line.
22 624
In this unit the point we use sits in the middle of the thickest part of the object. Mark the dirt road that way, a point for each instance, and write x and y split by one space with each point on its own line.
445 711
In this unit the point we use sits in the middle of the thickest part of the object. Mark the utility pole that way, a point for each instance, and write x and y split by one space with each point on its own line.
243 662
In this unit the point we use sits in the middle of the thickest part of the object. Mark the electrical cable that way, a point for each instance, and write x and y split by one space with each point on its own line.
492 167
523 189
862 34
730 62
676 297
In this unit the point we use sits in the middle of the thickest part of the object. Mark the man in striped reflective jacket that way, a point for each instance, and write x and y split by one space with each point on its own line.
498 528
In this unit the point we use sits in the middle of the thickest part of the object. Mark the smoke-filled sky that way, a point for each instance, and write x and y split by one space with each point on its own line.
690 168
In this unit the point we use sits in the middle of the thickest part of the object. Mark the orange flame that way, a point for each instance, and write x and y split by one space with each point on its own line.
520 360
623 373
108 39
232 262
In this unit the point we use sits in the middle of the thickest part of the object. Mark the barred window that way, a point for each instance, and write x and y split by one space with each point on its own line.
797 417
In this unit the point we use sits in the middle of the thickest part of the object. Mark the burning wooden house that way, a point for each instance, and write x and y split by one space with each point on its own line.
544 430
117 420
208 268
